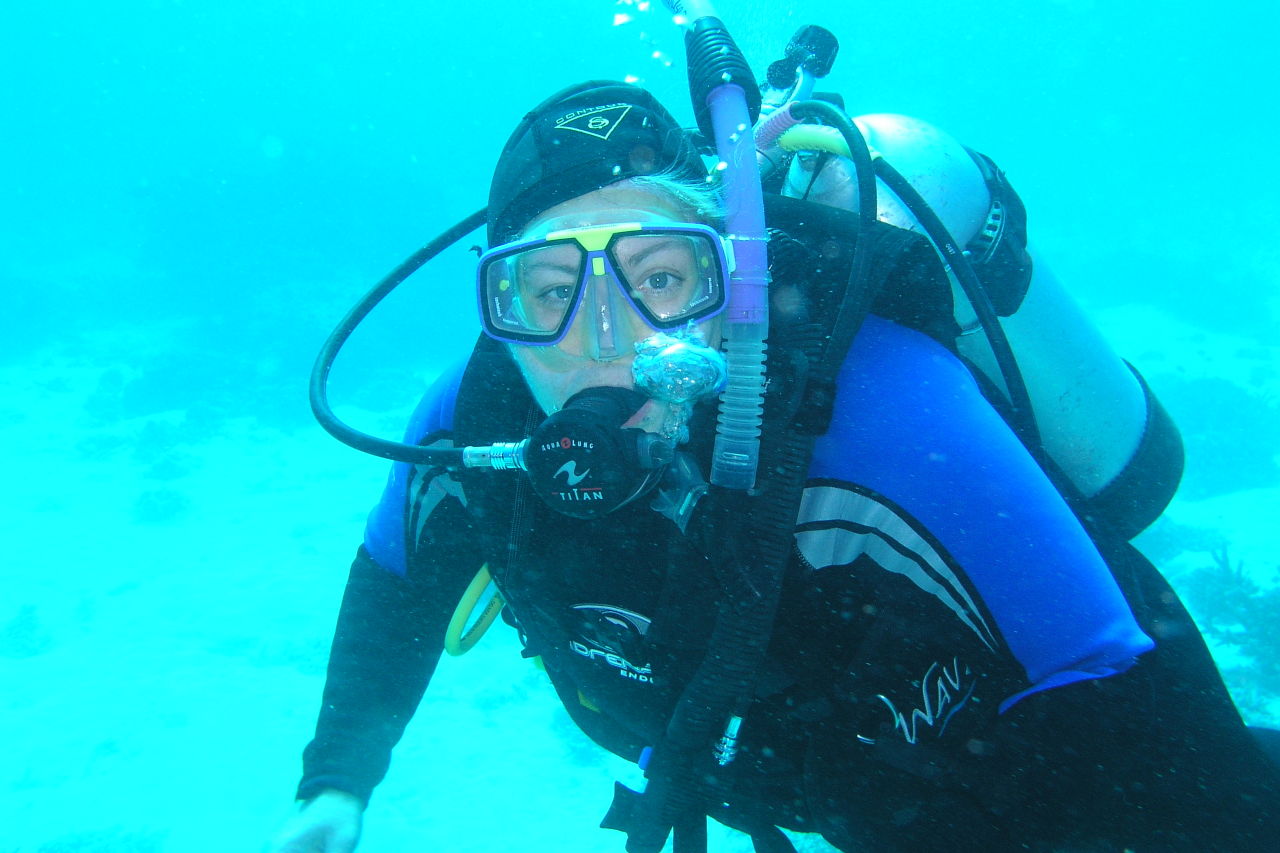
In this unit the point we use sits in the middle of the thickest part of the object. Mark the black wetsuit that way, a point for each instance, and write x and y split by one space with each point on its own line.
957 664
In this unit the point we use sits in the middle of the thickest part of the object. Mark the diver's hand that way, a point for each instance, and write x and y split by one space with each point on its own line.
328 824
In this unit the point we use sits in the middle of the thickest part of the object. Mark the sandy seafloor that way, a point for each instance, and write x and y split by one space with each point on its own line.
175 548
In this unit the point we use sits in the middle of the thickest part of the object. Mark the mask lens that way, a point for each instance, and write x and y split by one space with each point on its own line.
671 277
529 294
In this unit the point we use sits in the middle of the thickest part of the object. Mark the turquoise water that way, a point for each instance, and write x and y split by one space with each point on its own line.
196 191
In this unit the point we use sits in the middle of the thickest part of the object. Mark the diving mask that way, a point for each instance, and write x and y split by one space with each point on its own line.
669 275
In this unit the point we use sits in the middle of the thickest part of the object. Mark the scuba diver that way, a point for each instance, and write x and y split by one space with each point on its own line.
882 589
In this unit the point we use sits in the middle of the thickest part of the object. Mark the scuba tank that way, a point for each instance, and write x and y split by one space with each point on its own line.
1089 417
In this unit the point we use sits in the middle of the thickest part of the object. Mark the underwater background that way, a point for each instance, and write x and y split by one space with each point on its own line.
194 192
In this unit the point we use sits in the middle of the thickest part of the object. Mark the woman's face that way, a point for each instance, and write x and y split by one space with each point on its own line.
598 348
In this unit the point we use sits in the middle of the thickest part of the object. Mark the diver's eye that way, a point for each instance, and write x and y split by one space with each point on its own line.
660 281
560 293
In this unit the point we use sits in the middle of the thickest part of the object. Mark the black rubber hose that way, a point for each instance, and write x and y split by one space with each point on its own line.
857 302
319 388
744 625
1024 419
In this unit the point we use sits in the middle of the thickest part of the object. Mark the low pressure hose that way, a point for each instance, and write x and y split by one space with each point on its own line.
1024 418
851 314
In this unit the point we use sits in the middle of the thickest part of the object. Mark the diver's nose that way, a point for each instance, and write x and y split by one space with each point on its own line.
605 322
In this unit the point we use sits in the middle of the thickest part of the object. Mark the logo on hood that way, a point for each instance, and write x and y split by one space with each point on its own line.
599 122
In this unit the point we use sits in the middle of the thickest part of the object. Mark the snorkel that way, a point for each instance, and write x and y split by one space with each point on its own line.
726 101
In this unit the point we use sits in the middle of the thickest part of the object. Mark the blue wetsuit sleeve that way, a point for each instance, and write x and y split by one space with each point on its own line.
913 427
386 532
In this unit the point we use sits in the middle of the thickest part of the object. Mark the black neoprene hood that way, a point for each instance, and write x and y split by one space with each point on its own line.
581 139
